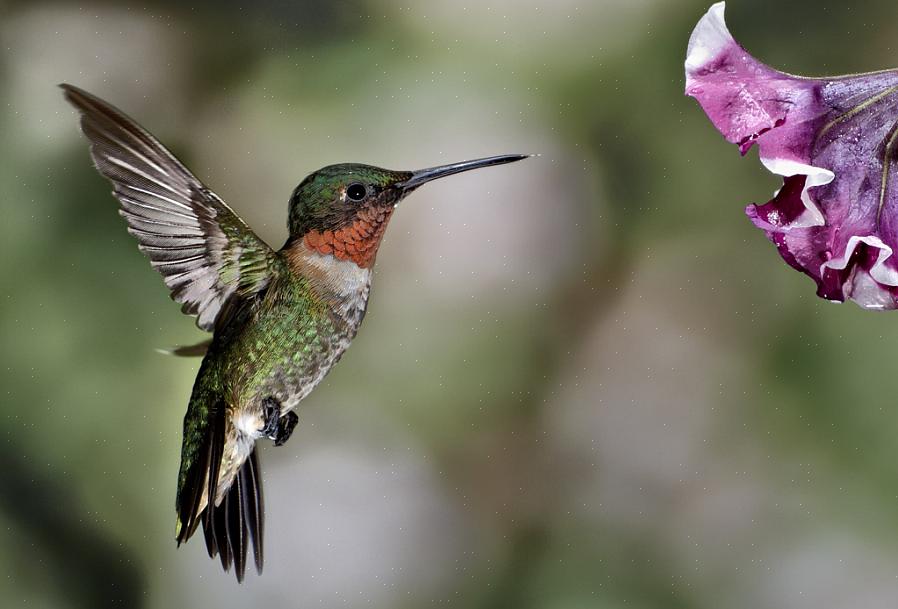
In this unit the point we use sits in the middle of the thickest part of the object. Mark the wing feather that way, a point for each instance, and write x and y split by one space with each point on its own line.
203 250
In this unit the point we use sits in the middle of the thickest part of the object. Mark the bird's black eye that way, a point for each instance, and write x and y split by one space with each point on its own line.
356 192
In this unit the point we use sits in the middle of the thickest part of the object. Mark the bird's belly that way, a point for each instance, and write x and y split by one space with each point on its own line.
298 373
292 341
284 359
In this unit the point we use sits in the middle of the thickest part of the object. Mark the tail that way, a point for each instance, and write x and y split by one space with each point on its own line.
239 518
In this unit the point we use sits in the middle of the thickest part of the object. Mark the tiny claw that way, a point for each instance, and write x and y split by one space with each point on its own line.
285 429
271 414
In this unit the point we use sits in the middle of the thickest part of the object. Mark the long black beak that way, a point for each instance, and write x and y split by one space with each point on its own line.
432 173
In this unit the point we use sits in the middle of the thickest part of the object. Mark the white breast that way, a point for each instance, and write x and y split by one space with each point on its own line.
344 279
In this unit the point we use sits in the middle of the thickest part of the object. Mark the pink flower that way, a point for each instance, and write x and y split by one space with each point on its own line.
834 142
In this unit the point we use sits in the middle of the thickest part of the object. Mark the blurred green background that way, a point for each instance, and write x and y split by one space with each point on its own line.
584 380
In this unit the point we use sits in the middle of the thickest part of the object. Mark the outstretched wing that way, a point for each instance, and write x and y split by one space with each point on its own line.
204 251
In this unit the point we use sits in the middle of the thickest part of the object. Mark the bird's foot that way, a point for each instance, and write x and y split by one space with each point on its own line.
271 415
278 428
285 429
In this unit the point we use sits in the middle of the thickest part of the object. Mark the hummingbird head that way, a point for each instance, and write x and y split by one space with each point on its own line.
344 209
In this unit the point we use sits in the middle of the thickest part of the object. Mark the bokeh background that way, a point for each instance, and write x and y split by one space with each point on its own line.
585 380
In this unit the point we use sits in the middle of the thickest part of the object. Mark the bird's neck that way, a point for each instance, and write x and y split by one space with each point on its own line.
333 279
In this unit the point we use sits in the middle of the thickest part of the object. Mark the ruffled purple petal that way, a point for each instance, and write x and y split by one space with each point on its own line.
834 142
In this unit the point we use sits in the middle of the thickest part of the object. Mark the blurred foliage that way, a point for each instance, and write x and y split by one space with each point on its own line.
589 382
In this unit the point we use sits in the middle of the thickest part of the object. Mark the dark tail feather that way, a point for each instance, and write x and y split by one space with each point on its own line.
238 520
215 524
236 527
212 492
250 479
202 476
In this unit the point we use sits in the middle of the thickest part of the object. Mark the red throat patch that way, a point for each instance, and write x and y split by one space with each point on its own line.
357 242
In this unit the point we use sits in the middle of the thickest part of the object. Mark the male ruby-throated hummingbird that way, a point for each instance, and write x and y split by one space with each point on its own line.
279 319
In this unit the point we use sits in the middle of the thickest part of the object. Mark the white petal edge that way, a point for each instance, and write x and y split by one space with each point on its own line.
865 292
816 176
863 287
708 39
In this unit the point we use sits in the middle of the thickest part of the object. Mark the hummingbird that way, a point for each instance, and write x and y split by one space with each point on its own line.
280 319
